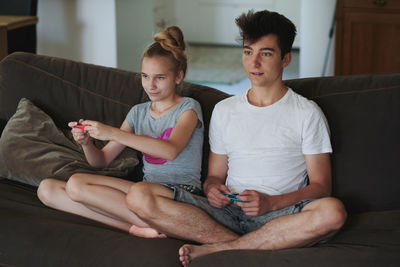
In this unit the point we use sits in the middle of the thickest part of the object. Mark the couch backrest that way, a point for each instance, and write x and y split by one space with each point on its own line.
363 112
69 90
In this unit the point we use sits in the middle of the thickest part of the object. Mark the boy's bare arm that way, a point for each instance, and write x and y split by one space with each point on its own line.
215 182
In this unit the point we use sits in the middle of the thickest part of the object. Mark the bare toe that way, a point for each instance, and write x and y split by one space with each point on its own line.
184 254
187 253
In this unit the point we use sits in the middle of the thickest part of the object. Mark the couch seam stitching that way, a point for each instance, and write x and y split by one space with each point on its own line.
358 92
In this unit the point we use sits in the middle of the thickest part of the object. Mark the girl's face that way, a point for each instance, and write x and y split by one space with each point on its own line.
158 77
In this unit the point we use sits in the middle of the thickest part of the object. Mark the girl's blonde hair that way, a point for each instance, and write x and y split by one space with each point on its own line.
169 43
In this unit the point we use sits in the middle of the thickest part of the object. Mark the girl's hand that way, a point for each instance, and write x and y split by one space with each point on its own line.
98 130
80 136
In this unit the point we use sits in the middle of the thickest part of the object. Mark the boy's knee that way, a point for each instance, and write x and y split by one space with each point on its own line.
331 215
136 196
140 199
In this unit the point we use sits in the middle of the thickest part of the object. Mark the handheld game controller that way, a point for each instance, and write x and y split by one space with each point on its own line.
81 126
233 197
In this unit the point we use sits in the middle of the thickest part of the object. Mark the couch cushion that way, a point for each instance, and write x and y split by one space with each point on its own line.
207 97
366 142
363 112
35 235
33 148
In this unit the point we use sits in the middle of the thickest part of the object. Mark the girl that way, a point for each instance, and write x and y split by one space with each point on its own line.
168 130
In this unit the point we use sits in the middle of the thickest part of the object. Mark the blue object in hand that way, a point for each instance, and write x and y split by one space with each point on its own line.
232 197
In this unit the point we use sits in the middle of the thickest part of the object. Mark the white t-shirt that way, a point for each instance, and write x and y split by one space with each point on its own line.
266 145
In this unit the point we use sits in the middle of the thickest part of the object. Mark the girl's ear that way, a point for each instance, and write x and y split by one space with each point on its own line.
179 77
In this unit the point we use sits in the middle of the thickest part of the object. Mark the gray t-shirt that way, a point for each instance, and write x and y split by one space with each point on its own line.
186 168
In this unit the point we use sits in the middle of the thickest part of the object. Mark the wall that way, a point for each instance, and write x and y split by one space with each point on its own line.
135 20
164 14
316 21
82 30
111 33
213 21
114 33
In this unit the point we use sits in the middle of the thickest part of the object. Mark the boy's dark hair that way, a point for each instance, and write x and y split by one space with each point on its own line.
253 26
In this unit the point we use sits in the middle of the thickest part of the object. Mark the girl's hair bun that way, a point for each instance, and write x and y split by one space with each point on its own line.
171 38
169 42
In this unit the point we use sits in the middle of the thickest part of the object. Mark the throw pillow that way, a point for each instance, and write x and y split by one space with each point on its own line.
33 148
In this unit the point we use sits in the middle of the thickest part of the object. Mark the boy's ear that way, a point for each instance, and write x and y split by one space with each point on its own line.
287 59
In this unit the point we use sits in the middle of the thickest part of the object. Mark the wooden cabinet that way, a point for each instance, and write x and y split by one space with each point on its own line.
8 23
367 36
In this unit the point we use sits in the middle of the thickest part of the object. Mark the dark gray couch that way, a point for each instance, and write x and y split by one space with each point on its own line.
364 117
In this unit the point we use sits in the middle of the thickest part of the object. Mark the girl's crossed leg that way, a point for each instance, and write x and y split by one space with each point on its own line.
96 197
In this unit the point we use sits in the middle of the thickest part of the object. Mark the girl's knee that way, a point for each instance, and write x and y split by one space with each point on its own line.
46 190
75 186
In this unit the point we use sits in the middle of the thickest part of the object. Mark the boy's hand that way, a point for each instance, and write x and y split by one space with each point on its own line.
215 196
255 204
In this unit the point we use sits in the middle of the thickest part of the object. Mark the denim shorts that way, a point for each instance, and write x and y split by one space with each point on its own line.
232 216
189 188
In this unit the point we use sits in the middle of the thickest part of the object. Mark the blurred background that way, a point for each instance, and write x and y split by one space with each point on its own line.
114 33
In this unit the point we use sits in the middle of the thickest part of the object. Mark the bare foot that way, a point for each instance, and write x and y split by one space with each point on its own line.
145 232
189 252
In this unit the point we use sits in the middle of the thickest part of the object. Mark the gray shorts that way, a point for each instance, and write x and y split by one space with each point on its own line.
232 216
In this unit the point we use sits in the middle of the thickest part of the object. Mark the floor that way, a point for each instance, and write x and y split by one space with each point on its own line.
216 68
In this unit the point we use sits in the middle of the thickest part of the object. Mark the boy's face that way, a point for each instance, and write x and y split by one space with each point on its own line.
262 61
